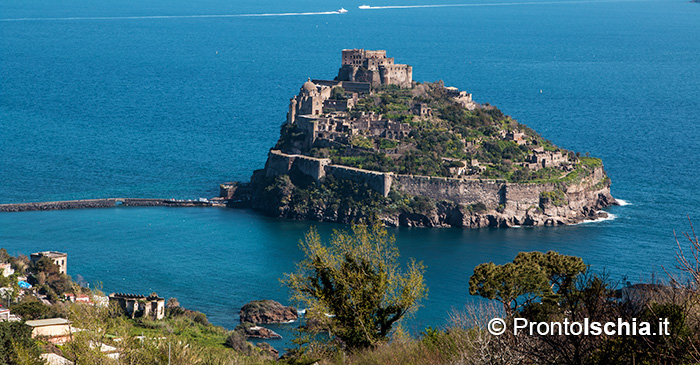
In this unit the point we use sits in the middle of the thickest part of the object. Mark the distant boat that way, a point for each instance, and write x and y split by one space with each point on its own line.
364 7
342 11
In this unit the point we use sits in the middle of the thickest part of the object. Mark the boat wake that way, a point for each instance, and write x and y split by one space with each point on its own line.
205 16
367 7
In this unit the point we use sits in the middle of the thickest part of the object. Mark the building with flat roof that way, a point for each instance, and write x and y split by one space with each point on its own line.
58 258
55 330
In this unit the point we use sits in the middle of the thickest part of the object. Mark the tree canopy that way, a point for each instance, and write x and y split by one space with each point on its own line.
531 275
355 284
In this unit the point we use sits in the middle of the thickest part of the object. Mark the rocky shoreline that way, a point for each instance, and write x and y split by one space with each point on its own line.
514 204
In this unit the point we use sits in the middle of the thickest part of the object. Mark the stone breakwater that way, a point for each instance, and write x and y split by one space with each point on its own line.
106 203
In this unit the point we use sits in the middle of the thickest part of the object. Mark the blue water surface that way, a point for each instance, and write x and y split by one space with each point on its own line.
140 99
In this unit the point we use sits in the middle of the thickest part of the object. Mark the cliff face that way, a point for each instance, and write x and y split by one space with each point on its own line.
522 205
440 202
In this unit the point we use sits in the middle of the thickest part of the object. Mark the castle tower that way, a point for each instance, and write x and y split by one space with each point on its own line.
374 67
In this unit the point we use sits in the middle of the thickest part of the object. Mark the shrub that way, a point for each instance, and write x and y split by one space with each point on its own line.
356 278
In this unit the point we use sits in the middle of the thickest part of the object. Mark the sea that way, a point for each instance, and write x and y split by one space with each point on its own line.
170 98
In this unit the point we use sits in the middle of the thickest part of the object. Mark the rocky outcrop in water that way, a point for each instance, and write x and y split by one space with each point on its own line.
418 155
507 204
260 332
267 311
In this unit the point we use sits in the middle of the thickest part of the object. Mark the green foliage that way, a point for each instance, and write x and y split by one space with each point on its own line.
438 141
4 256
676 347
531 276
421 204
338 93
476 207
357 279
45 271
387 144
16 344
237 340
290 137
31 310
591 162
556 197
368 161
419 163
361 142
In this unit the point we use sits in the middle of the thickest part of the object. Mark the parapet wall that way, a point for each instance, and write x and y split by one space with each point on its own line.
377 181
489 192
492 193
523 196
279 163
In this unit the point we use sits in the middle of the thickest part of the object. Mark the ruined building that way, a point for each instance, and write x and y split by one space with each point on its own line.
374 67
136 305
360 71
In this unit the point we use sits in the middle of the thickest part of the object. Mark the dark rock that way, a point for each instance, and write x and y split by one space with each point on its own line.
267 311
268 350
261 332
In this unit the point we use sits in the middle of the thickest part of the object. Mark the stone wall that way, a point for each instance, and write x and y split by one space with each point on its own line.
492 193
489 192
377 181
279 163
523 196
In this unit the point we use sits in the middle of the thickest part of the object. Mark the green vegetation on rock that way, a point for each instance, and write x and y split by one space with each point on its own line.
503 148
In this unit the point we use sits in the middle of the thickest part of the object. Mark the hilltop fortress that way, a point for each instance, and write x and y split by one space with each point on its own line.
372 142
373 67
360 71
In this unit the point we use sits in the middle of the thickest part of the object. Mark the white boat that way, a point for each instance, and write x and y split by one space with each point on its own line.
342 11
364 6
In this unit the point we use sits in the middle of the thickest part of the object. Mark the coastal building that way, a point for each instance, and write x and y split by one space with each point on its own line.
136 305
58 258
55 330
7 269
7 316
78 298
314 99
462 97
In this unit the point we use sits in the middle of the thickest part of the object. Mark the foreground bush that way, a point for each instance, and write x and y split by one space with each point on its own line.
354 287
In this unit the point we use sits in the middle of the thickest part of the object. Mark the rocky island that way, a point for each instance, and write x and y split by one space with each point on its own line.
374 143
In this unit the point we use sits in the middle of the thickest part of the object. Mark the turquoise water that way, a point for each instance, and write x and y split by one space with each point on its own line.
105 99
